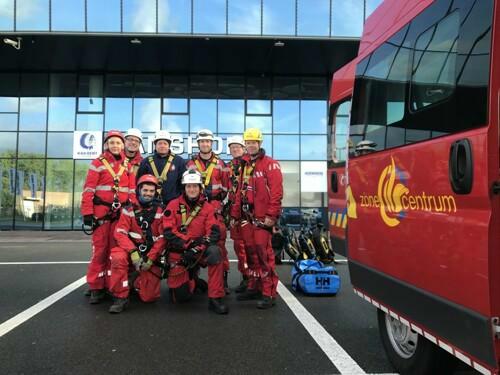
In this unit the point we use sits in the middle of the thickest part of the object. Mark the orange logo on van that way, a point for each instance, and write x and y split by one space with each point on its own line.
389 194
394 200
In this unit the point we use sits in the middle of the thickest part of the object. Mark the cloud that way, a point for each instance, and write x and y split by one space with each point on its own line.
144 19
244 17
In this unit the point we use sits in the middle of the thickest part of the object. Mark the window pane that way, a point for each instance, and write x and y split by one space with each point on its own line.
81 169
313 20
203 87
203 114
147 85
434 64
118 114
313 116
313 147
119 85
286 116
209 16
103 15
32 15
29 194
89 122
8 145
68 15
279 17
258 107
33 114
147 114
244 16
264 123
174 16
286 88
258 88
8 104
60 145
8 121
139 16
175 105
62 85
58 194
9 85
231 116
175 123
34 84
371 5
62 113
231 87
7 15
291 179
286 147
314 88
31 145
90 92
7 192
347 17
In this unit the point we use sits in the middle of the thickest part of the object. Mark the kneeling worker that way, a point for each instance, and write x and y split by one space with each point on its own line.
139 235
191 232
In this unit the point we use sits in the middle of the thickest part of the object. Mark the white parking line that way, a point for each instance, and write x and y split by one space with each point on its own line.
335 353
20 318
28 263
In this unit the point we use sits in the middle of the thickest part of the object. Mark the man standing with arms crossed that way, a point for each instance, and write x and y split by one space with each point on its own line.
165 166
258 205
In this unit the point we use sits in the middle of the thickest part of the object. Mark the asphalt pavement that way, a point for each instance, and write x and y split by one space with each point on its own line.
68 336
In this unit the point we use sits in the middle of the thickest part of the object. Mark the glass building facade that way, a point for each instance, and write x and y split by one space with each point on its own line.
42 104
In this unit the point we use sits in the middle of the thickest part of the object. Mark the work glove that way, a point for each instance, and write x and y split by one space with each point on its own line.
214 235
145 266
88 220
198 241
136 259
189 257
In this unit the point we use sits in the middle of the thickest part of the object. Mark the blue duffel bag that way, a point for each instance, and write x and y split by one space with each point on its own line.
313 277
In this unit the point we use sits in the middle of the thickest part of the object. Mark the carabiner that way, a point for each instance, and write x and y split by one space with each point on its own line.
116 205
142 248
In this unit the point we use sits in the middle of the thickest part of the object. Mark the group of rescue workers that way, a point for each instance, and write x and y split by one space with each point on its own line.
164 217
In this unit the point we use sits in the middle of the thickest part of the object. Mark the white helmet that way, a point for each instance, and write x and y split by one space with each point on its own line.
162 134
191 176
133 132
238 139
204 134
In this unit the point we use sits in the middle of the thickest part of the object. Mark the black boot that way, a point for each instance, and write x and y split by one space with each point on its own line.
217 305
96 296
118 305
248 295
87 293
265 303
226 286
243 285
201 286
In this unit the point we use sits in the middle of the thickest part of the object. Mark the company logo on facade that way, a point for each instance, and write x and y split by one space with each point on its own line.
87 145
88 141
395 201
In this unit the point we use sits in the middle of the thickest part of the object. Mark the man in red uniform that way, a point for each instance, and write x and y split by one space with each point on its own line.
108 186
237 149
139 236
215 179
258 206
191 232
133 142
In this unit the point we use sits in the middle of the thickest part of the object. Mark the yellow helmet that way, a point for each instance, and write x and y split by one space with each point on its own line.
253 134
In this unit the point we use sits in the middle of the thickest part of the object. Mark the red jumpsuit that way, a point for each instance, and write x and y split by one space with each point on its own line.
134 163
215 177
235 171
97 197
178 240
129 236
261 190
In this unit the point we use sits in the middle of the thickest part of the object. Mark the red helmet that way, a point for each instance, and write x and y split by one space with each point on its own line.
148 178
114 133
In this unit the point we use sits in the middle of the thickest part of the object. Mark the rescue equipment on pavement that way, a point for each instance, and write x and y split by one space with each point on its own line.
313 277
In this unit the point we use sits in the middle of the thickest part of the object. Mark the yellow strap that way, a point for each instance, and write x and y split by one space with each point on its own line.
116 176
194 213
208 172
248 171
163 177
